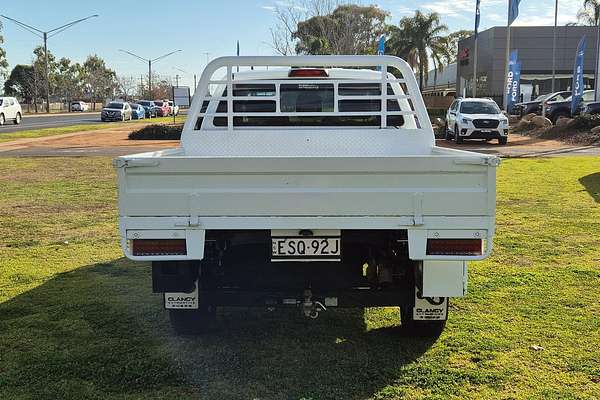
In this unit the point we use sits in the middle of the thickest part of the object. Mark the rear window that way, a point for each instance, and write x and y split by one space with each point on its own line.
115 105
305 98
158 103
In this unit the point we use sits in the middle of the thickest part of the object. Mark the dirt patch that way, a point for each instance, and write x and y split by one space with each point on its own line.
578 131
97 139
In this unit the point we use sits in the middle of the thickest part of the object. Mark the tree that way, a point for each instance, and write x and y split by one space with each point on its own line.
21 83
419 39
127 86
288 16
161 87
590 13
68 80
3 62
99 81
451 44
349 29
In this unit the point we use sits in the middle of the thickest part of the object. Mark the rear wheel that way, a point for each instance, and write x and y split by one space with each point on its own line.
18 119
413 328
192 322
502 140
2 119
458 139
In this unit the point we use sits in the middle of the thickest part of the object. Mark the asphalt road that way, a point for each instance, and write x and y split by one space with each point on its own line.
51 121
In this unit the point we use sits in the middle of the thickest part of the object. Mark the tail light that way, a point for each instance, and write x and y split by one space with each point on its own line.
308 73
158 247
454 247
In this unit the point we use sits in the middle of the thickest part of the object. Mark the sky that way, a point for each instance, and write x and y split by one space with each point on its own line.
151 28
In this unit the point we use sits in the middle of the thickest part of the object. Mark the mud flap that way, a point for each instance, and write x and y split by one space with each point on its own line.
429 308
181 300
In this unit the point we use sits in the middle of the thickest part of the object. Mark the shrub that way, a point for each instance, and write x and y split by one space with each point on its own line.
157 132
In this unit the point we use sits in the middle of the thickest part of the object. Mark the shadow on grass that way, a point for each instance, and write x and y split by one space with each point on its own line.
592 185
98 332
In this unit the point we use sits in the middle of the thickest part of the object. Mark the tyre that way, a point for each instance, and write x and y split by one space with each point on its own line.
457 137
502 140
447 135
192 322
18 119
2 119
412 328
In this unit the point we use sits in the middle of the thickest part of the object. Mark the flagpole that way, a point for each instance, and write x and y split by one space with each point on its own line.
507 58
596 72
475 49
554 47
475 69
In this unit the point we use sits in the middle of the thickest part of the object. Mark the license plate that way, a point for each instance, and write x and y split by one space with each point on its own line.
311 248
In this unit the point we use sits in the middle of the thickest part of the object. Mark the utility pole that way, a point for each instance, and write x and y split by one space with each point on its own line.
45 35
149 61
176 80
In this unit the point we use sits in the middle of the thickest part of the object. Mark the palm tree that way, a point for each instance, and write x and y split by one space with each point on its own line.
590 13
418 40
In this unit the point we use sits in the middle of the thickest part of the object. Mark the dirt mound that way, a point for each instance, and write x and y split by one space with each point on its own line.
579 130
157 132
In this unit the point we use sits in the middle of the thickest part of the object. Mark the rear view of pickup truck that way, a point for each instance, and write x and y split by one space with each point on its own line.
308 182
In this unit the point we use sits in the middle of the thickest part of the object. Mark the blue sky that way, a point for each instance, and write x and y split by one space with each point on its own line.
151 28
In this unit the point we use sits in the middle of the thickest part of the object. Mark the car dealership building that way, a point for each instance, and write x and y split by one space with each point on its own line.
534 44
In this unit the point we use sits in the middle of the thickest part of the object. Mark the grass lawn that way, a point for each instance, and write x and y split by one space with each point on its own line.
35 133
79 322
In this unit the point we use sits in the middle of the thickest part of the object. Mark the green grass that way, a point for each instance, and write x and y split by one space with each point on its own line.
77 321
36 133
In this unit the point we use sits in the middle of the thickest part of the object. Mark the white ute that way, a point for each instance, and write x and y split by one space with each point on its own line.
314 183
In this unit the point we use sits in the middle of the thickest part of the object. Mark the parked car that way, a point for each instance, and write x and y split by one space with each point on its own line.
535 106
473 118
116 111
79 106
137 111
592 108
174 108
149 107
162 108
10 110
558 109
304 207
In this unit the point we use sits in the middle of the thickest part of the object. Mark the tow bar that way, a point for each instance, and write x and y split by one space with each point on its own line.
311 309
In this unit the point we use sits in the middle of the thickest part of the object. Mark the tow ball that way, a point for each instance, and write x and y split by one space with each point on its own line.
311 309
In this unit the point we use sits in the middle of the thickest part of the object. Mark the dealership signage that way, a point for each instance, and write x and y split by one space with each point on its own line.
513 85
577 87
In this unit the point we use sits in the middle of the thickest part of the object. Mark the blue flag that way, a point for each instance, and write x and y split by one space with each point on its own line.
477 17
577 86
381 46
513 10
513 86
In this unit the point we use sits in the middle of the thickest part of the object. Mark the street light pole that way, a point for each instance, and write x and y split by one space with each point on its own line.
45 35
149 61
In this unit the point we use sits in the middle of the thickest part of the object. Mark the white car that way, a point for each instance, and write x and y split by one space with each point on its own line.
309 188
79 106
10 110
174 108
473 118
